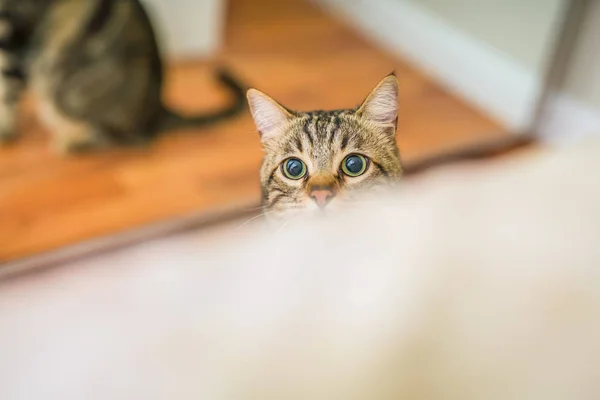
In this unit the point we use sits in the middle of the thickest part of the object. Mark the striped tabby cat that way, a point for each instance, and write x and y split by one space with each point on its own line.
320 159
96 70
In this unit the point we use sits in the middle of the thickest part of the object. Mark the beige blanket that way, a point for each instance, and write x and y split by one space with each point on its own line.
473 282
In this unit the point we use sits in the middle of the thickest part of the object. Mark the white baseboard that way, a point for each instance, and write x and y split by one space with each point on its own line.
482 75
566 120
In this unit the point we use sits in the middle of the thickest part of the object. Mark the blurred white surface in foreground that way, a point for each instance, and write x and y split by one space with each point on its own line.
467 284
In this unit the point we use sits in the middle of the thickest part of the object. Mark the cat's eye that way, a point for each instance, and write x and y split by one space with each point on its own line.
354 165
294 168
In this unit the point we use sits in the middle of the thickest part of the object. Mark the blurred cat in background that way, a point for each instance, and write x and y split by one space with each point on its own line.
96 69
321 159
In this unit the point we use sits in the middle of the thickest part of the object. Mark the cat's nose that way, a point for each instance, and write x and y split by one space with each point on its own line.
322 196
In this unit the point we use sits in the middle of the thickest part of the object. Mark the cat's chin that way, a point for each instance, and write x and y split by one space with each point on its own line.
311 211
289 218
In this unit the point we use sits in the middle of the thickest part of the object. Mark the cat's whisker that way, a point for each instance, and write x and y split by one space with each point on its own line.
254 218
285 223
253 208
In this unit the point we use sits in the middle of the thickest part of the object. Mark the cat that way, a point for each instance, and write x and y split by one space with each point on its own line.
96 69
320 159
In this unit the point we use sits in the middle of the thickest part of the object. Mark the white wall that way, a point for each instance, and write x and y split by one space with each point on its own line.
188 28
484 72
583 76
522 29
573 114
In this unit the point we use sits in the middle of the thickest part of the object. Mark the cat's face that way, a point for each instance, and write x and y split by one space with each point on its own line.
322 160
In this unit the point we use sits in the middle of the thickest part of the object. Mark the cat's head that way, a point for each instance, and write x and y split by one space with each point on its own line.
321 160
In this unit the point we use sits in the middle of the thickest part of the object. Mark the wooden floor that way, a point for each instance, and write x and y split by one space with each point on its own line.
289 49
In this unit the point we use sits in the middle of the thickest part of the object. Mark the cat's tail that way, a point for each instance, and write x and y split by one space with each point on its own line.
174 120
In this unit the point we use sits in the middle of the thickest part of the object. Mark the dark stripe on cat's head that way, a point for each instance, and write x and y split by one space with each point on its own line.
345 141
272 176
335 121
380 168
276 199
299 144
306 129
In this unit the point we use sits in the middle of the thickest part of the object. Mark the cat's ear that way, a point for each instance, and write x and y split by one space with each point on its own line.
381 106
269 116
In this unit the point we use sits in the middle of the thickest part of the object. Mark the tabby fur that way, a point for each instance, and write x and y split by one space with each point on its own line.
322 140
96 69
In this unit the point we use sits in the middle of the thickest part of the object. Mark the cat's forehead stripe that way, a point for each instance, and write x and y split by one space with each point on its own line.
336 122
322 126
306 129
299 146
345 141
